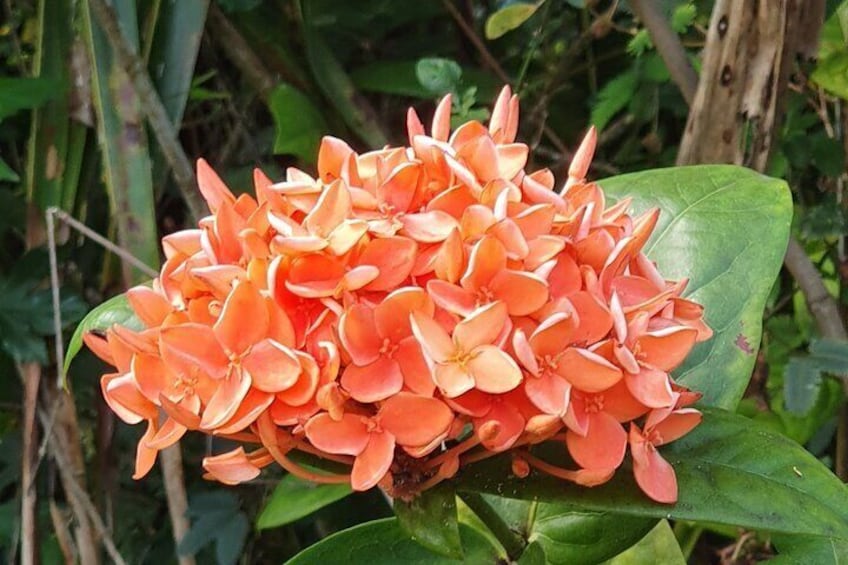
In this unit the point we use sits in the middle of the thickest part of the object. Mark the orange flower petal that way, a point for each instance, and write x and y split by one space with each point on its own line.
393 256
225 402
373 382
451 297
303 390
145 457
248 411
414 420
359 336
481 327
501 427
150 306
676 425
416 373
651 387
170 433
347 436
126 401
488 258
231 468
374 462
244 319
434 340
654 475
666 349
428 227
453 379
189 347
213 189
272 366
392 314
522 292
493 370
549 392
603 445
588 371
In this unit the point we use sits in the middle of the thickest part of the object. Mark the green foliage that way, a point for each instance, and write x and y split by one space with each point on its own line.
18 94
26 309
565 533
658 546
509 18
803 378
218 520
294 498
438 76
614 97
730 470
715 219
431 520
831 73
383 542
116 310
298 124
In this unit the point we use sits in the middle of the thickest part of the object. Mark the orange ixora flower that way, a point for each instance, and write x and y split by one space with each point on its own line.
409 311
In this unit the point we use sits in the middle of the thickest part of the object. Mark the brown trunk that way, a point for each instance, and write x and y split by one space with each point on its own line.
31 375
748 61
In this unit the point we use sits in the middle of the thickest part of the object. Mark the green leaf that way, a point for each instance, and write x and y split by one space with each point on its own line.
614 97
730 470
831 73
230 540
7 174
509 18
336 84
801 550
801 384
390 77
383 542
683 16
297 122
127 167
17 94
438 75
567 534
54 151
295 498
658 546
724 228
116 310
431 520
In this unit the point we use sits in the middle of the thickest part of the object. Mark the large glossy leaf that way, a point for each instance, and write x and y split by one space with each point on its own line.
116 310
565 534
295 498
658 546
800 550
383 542
725 228
730 470
298 125
431 520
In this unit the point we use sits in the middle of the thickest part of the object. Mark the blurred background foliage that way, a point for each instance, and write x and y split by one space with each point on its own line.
249 83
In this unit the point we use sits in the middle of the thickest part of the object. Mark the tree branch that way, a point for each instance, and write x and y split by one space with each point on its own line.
668 46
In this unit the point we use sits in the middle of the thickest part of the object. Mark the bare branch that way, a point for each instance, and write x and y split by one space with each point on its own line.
668 46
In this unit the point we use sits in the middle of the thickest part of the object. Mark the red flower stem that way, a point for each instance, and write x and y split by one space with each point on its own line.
307 448
454 451
302 473
545 467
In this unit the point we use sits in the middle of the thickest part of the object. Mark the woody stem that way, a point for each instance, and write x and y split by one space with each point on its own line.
511 542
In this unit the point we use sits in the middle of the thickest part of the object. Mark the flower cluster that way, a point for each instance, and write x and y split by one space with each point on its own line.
409 311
